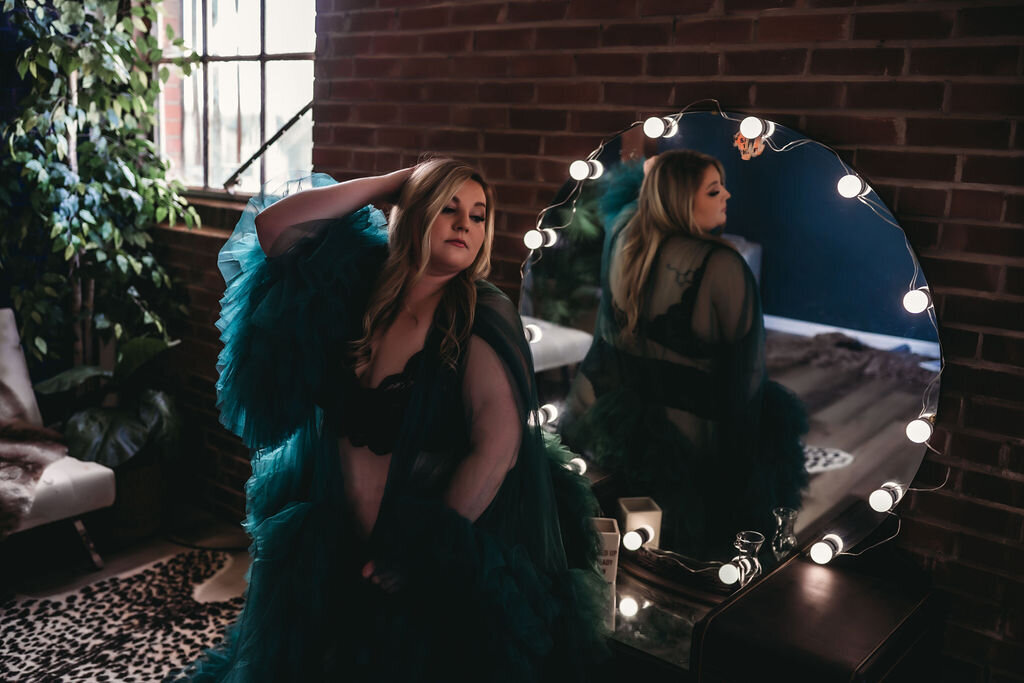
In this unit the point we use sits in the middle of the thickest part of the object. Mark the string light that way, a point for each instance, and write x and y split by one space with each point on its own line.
753 127
828 547
533 333
885 498
917 300
728 573
921 429
628 607
590 169
851 185
579 465
533 239
661 127
741 570
546 414
632 540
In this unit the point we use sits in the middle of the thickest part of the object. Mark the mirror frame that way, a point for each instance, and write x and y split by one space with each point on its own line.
850 519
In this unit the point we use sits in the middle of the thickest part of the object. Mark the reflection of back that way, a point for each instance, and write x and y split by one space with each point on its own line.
681 411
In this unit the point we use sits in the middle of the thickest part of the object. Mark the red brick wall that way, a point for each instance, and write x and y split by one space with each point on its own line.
925 98
218 460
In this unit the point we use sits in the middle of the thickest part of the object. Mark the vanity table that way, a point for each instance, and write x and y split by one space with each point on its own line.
851 620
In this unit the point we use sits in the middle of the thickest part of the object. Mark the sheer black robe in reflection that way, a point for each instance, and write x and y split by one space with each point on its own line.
681 411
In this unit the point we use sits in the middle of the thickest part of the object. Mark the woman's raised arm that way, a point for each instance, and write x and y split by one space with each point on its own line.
320 204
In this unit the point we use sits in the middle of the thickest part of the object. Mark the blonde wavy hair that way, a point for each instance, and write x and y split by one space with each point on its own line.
664 208
431 186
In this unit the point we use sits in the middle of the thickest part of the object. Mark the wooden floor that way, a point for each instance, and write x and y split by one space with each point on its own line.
864 416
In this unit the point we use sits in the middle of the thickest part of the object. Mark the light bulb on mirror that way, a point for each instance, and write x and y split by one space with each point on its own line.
533 239
728 573
632 540
920 430
579 170
850 186
578 465
917 300
549 412
586 169
827 548
885 497
628 607
550 236
533 333
753 127
661 127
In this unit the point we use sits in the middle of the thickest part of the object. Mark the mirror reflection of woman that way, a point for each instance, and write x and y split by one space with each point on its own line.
672 397
409 522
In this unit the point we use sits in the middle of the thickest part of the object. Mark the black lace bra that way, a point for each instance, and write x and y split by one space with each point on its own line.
373 416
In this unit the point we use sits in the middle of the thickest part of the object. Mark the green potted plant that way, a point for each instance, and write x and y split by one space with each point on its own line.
82 189
82 184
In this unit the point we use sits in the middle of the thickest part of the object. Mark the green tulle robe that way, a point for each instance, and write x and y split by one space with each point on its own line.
513 596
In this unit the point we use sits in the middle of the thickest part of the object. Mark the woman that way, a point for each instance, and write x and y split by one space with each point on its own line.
403 510
672 396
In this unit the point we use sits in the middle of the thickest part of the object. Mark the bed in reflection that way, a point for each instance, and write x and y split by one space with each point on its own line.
859 388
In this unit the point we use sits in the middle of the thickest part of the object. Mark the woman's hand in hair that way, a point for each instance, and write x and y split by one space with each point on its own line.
399 179
275 225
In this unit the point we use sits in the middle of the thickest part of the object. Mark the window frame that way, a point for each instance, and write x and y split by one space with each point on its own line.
205 59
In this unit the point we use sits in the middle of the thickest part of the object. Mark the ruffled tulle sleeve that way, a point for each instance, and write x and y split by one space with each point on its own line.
621 187
283 317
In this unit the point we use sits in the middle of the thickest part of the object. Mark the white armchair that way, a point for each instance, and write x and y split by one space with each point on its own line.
67 488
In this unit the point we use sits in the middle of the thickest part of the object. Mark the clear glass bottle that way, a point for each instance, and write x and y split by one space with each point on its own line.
784 540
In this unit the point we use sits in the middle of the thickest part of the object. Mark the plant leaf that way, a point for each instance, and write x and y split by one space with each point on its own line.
69 379
157 412
136 353
108 436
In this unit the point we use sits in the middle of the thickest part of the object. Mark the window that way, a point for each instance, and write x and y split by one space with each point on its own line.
256 74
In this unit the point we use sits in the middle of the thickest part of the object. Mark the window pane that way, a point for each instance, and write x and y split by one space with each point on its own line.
289 89
290 26
234 122
183 16
234 27
181 124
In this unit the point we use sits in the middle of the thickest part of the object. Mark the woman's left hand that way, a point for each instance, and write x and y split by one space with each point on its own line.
388 580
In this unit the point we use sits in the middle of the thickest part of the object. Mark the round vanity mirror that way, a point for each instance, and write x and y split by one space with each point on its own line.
770 366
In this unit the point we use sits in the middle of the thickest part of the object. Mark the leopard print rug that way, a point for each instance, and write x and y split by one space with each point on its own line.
142 627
